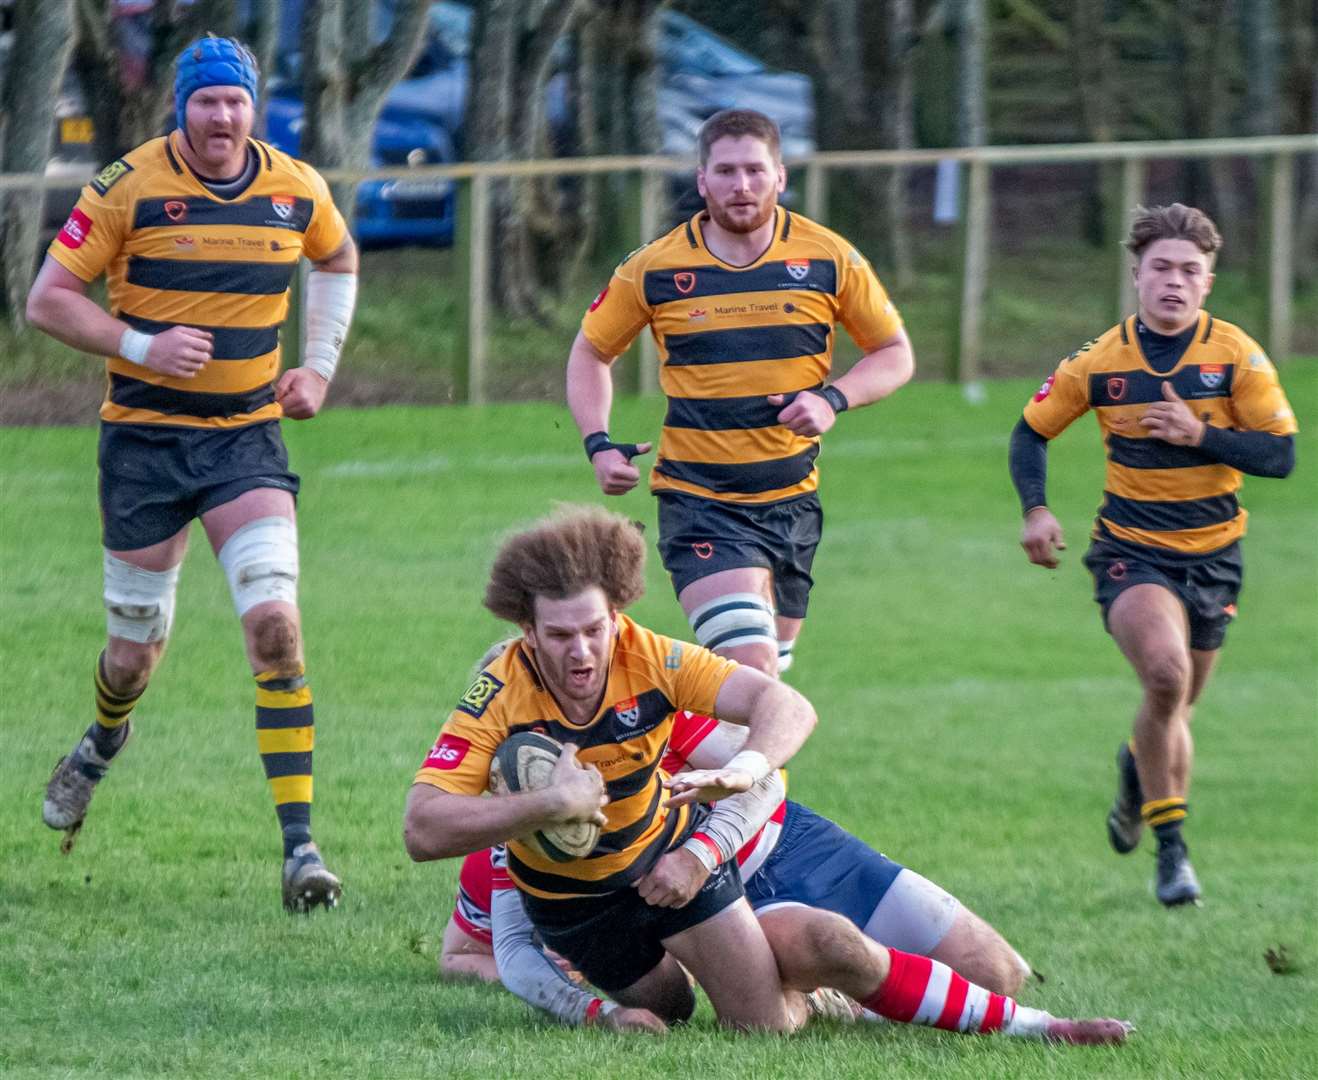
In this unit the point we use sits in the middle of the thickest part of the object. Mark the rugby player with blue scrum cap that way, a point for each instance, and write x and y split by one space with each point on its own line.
198 234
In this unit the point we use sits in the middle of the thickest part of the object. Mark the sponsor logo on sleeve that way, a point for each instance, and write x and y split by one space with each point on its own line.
104 180
76 230
673 660
447 753
479 695
599 299
1045 389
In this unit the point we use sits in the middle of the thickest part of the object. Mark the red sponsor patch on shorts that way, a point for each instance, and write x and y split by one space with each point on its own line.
1045 389
76 229
447 753
599 299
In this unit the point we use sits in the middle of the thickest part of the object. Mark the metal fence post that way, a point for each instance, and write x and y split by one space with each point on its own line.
1281 269
974 278
652 208
1132 191
478 288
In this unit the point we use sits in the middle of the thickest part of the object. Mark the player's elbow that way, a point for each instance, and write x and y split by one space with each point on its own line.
1286 459
38 311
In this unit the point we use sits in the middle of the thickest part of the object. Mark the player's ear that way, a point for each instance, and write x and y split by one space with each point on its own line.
528 633
782 177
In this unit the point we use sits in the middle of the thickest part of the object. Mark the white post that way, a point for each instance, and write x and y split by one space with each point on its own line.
974 277
1132 191
652 203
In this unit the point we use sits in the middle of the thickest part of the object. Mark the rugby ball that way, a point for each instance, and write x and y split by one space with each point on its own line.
524 762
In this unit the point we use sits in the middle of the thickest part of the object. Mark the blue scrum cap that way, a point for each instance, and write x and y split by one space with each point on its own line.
212 61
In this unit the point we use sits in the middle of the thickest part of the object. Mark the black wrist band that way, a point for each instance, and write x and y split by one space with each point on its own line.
595 442
835 397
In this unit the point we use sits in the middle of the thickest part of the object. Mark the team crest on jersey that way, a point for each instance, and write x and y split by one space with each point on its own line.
479 695
685 281
1045 389
176 210
1211 375
703 550
104 180
797 269
1116 388
628 712
282 205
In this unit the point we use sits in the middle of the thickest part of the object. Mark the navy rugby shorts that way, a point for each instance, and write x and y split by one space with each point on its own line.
1207 588
154 480
699 537
821 865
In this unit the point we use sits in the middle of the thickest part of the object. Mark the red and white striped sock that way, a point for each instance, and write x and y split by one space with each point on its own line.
919 990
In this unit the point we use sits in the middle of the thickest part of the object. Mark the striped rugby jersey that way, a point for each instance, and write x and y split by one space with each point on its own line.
173 253
728 336
649 676
1161 498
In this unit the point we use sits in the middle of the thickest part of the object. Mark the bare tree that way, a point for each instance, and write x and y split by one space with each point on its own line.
346 74
514 61
38 55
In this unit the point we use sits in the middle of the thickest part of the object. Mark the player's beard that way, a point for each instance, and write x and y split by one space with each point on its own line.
724 220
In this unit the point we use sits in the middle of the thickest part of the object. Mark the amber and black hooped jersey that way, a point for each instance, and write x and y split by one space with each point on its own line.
727 337
1172 500
649 677
175 254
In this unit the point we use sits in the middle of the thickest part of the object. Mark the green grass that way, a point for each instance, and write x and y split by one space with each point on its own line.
970 707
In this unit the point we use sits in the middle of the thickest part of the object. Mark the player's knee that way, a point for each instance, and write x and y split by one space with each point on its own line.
680 1006
139 604
128 666
740 625
274 640
1006 970
260 561
1166 678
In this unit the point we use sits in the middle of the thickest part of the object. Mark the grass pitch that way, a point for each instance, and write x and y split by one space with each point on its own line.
970 706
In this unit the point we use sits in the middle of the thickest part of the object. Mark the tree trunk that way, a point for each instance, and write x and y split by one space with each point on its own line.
39 53
899 130
345 78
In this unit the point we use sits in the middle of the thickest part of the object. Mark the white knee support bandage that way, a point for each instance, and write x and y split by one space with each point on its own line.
139 604
260 561
785 654
735 619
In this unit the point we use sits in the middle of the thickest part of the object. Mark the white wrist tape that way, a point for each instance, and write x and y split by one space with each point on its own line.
134 344
328 304
703 853
751 761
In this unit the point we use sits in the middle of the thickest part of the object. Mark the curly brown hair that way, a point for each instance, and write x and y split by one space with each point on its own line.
736 123
1175 222
561 556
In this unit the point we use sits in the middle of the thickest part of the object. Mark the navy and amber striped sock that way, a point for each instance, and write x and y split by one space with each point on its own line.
113 709
285 735
1165 817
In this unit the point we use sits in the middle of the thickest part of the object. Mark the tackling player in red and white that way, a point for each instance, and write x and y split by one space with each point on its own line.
829 906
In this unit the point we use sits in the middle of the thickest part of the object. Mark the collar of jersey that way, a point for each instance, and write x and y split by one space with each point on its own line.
174 137
698 229
1134 336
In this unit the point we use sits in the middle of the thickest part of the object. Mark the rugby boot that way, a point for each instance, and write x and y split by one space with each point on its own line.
826 1003
308 882
72 784
1088 1032
1125 826
1176 881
